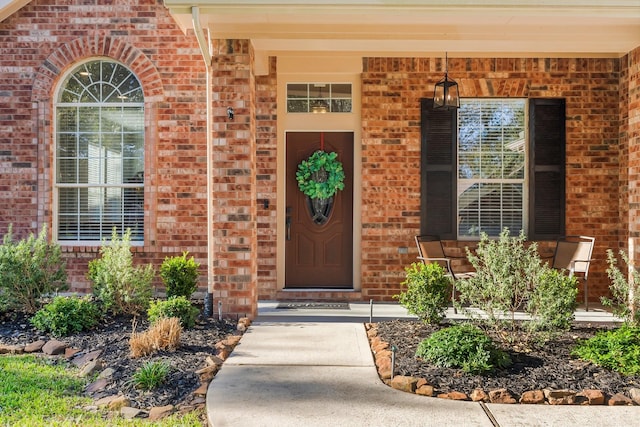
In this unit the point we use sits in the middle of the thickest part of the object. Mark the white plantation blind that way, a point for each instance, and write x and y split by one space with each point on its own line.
492 160
99 155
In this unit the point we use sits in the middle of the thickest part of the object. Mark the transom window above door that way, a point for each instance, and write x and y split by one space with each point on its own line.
319 98
99 153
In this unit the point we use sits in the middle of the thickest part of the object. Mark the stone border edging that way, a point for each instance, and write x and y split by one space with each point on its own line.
382 356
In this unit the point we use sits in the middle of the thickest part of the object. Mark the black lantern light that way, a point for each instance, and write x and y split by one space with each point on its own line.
445 94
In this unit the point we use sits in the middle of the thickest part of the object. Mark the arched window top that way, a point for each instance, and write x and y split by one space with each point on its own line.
101 81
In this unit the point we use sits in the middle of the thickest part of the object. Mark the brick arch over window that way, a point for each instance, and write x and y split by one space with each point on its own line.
92 46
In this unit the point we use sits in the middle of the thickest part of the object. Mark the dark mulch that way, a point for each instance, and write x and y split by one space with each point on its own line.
535 366
112 337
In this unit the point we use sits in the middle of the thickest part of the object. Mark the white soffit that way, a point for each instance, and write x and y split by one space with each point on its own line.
560 28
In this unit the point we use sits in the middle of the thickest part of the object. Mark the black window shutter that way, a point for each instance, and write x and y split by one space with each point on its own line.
438 171
547 140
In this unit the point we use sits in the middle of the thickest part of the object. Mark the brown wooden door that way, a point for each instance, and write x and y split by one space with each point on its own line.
318 255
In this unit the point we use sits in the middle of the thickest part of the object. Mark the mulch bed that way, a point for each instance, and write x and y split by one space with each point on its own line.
535 367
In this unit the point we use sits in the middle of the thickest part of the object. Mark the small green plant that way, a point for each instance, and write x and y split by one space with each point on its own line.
178 307
151 375
118 285
618 350
180 275
30 269
463 346
427 292
66 315
625 290
552 302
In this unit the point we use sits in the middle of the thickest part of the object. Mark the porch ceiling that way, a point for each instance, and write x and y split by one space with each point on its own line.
464 28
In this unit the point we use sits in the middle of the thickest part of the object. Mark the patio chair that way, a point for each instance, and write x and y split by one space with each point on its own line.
431 250
573 253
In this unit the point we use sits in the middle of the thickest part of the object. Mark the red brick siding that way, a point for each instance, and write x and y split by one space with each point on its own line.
391 92
266 175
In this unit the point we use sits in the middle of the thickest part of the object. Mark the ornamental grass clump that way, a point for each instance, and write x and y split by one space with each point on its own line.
463 346
151 375
162 335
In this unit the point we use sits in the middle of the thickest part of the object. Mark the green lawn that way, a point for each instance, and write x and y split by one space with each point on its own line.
36 392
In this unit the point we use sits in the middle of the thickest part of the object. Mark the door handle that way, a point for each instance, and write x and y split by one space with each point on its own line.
288 223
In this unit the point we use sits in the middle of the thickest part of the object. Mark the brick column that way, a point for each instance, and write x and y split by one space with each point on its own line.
631 128
234 179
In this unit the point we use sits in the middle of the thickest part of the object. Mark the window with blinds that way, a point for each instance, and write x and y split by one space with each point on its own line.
99 154
492 165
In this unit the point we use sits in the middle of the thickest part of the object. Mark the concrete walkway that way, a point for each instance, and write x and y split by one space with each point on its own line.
314 368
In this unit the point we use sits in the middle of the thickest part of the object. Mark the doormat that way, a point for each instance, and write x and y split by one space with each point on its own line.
313 305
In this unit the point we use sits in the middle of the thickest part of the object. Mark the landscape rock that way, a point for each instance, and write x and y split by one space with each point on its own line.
619 399
12 349
454 395
202 390
158 412
54 347
479 395
533 397
106 373
593 397
129 413
34 346
96 386
70 352
425 390
501 396
634 393
404 383
560 397
118 402
90 368
82 359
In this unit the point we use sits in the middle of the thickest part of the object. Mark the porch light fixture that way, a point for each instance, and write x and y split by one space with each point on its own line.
445 94
319 106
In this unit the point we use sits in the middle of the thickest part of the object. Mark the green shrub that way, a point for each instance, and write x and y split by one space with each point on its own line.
618 350
66 315
118 285
151 375
463 346
178 307
30 269
552 303
427 292
179 275
507 271
625 291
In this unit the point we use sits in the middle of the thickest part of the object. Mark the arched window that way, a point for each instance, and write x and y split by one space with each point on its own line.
99 153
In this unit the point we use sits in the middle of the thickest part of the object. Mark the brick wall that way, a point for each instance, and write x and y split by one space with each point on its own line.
391 92
234 182
266 174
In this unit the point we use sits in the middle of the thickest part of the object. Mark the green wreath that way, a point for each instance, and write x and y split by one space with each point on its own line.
321 175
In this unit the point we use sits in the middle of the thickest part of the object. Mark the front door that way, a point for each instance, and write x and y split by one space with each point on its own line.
319 248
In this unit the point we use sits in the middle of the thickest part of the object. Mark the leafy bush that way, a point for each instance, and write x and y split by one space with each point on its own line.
178 307
164 334
29 269
463 346
618 350
507 271
427 291
151 375
66 315
625 292
118 285
552 302
180 275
